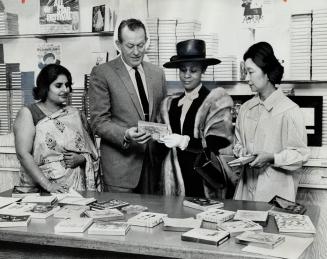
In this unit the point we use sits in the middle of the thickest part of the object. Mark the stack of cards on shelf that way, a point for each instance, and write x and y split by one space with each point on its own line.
294 224
156 130
260 239
44 200
22 191
105 215
71 211
109 228
202 203
206 236
147 219
134 209
280 204
236 227
257 216
216 215
109 204
9 220
73 225
5 201
177 224
241 161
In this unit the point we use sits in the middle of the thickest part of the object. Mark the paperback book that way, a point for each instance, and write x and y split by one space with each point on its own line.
202 203
48 53
5 201
8 220
109 228
44 200
73 225
156 130
236 227
182 225
18 208
260 239
76 201
147 219
109 204
241 161
22 191
280 204
206 236
260 217
43 211
70 211
216 215
295 224
134 209
105 215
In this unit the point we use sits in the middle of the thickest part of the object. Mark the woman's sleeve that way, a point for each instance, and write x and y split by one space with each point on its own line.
294 136
238 147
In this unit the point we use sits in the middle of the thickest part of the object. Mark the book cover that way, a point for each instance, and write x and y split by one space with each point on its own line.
8 220
43 211
182 225
109 204
73 225
300 225
260 217
5 201
99 57
206 236
236 227
45 200
284 205
59 16
216 215
70 211
98 18
105 215
76 201
260 239
109 228
156 130
241 161
202 203
147 219
18 208
134 209
22 191
48 53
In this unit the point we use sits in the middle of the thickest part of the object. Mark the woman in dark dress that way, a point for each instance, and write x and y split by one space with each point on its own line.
179 112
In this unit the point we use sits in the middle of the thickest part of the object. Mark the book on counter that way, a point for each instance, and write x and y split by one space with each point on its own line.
9 220
23 191
41 211
202 203
236 227
71 211
18 208
5 201
156 130
109 228
257 216
206 236
109 204
295 224
216 215
45 200
73 225
147 219
105 215
134 209
180 224
69 200
280 204
260 239
241 161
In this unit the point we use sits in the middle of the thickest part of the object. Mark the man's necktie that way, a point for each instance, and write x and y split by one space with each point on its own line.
144 99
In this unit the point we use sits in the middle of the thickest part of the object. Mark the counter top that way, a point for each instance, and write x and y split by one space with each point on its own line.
152 241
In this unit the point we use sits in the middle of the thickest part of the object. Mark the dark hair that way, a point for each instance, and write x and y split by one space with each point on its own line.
47 75
132 24
201 64
262 54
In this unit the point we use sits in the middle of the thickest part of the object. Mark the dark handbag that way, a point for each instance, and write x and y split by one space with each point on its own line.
211 169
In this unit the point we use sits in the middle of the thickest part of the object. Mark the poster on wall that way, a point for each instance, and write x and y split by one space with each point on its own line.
256 13
59 16
48 53
98 18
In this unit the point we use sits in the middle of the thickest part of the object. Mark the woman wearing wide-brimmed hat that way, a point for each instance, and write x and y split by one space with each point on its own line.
190 116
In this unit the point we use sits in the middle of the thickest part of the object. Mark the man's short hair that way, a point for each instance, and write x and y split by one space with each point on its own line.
132 24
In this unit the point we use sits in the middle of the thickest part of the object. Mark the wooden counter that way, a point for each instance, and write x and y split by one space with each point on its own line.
39 238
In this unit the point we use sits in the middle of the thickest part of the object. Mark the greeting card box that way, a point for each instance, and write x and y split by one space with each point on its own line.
236 227
206 236
147 219
8 220
260 217
260 239
109 228
73 225
216 215
105 215
202 203
178 224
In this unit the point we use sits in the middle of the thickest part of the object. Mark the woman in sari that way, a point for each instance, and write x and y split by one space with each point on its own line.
52 144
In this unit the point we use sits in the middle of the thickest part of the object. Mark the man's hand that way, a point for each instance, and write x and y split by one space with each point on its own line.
262 159
132 134
73 160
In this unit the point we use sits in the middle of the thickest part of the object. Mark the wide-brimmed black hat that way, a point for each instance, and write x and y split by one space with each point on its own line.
191 51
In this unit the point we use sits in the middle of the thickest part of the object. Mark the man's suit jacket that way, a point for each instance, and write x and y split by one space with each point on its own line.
115 107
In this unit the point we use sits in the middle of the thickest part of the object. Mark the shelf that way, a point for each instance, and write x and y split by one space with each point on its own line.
58 35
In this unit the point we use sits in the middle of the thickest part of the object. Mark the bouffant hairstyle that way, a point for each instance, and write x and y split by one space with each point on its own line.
47 75
262 54
132 24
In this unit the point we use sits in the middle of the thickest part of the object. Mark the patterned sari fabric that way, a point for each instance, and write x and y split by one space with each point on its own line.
61 132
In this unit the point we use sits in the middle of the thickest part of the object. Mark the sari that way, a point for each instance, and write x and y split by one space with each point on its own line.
63 131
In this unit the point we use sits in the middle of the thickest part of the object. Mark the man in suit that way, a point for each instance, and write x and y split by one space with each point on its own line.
122 92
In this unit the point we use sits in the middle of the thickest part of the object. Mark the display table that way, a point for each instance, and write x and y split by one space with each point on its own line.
39 239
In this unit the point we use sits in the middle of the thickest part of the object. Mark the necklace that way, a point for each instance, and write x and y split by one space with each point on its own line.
47 111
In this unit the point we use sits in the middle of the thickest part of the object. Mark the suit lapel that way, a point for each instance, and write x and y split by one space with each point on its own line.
149 82
124 75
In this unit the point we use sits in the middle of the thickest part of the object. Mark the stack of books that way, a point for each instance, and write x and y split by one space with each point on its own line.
236 227
260 217
8 23
202 203
216 215
182 225
206 236
109 228
260 239
73 225
147 219
9 220
227 69
105 215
